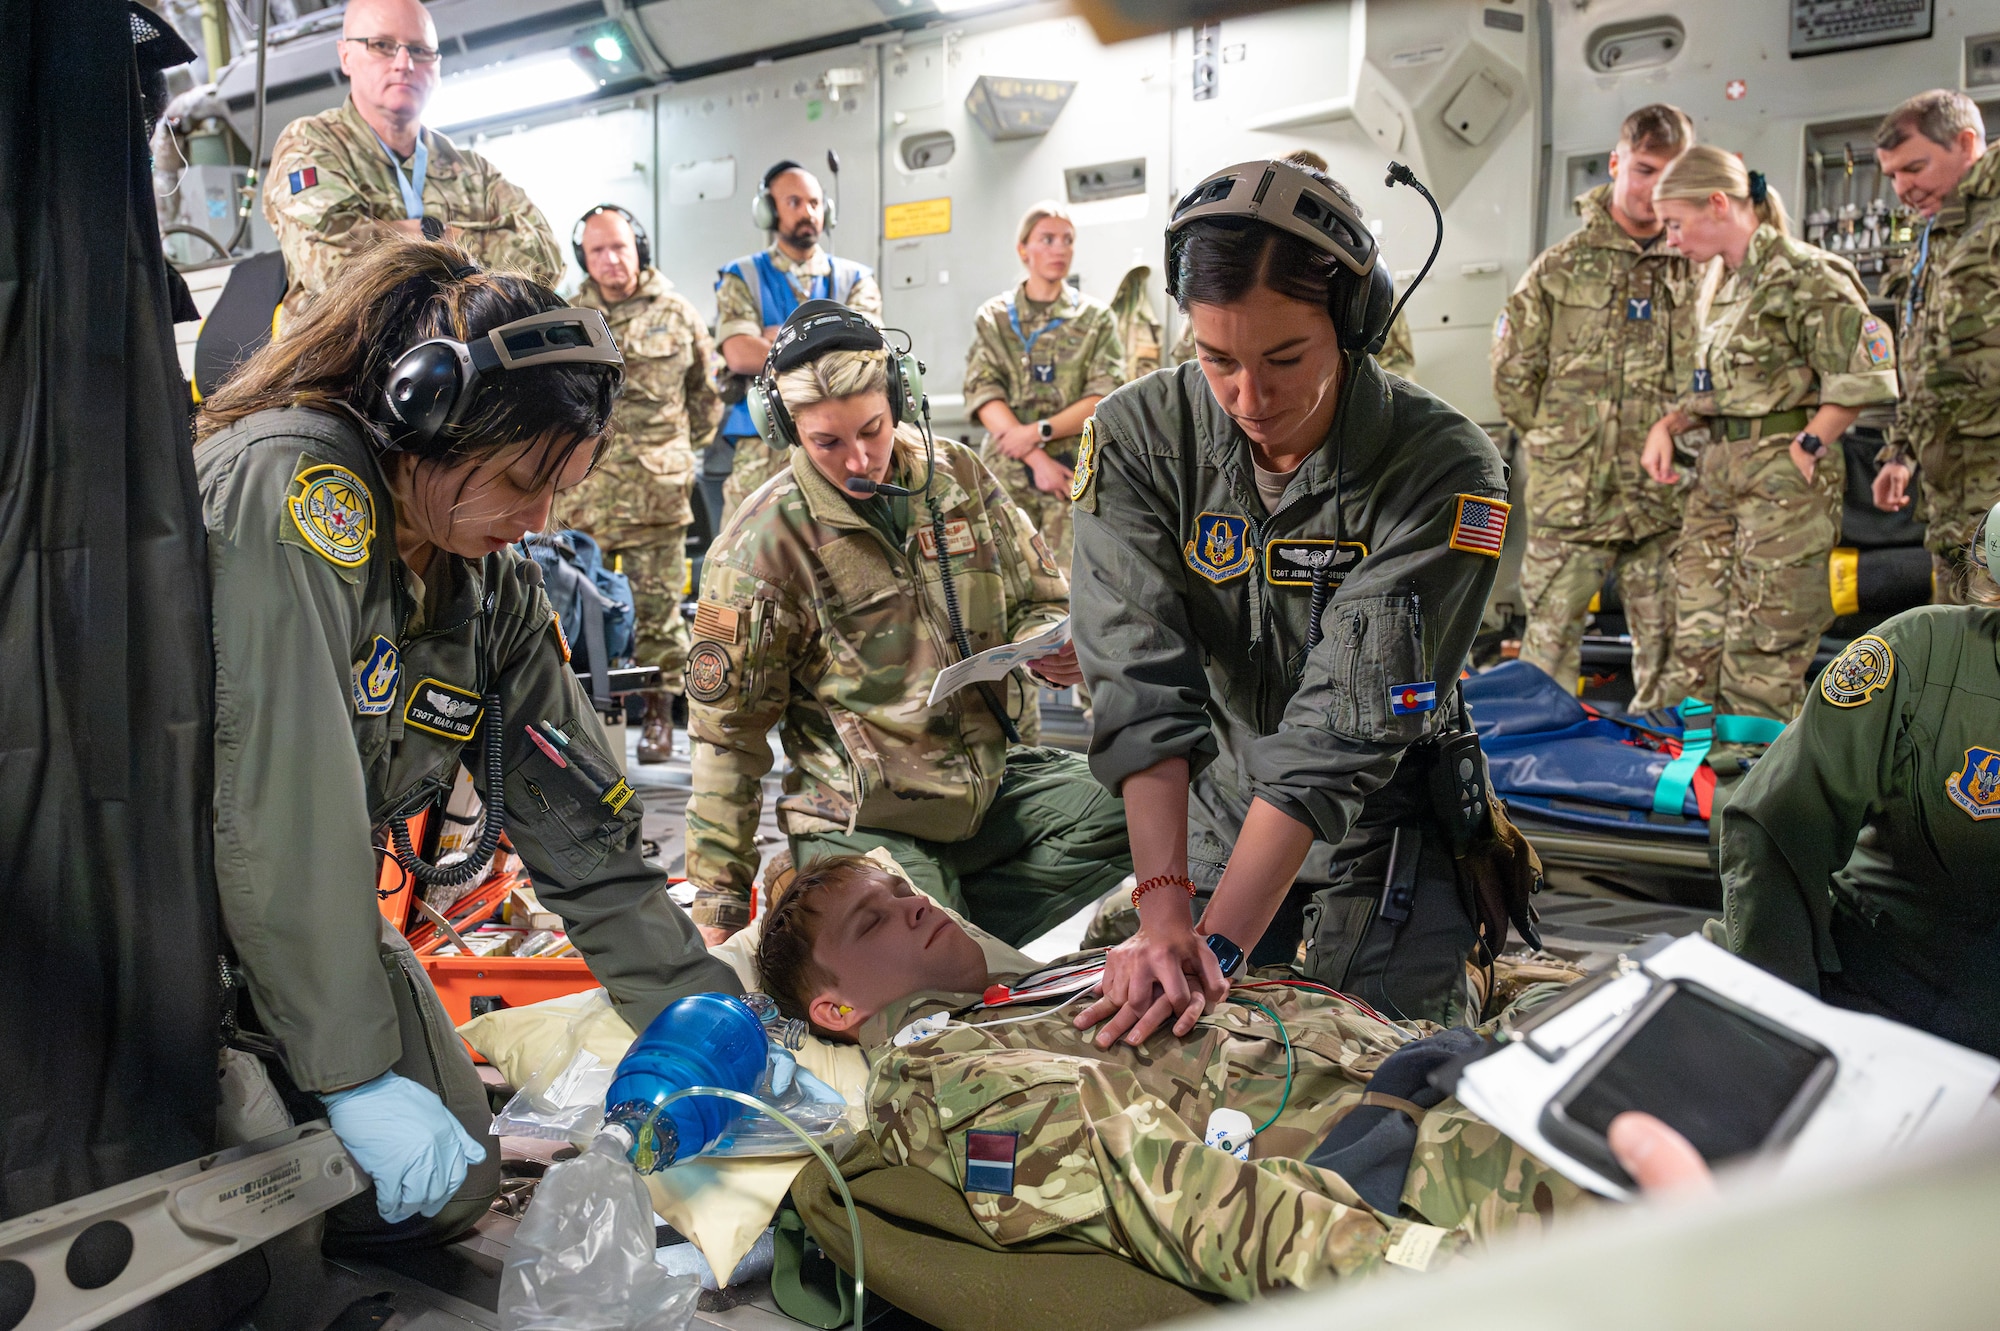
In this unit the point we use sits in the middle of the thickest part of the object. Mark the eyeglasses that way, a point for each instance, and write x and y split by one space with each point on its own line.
385 48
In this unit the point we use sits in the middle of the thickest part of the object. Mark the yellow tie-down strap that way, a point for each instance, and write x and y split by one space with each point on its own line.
1843 579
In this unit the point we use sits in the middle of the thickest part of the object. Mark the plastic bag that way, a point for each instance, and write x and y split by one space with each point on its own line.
582 1259
802 1097
563 1099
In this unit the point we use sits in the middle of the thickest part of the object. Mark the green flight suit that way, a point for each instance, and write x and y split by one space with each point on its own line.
347 693
1192 606
813 620
1857 856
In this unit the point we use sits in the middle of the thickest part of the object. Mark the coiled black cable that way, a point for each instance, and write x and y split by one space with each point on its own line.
1321 593
495 795
958 636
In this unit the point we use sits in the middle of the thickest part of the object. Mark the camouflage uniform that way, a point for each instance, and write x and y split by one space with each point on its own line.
636 502
1589 351
1139 328
739 311
1064 351
1788 330
1108 1144
1949 365
330 179
1398 355
812 620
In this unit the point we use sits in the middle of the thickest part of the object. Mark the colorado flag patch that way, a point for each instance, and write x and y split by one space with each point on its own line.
1480 525
1413 697
989 1162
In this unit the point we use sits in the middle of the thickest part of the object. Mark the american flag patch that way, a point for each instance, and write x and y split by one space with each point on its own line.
304 178
989 1162
1481 525
1421 697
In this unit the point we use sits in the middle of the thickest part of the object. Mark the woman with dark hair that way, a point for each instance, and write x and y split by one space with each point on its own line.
363 481
1282 555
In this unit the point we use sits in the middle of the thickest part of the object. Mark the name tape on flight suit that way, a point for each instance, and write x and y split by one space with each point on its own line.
443 709
1293 561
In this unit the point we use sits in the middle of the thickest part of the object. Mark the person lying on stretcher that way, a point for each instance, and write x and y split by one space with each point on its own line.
1353 1159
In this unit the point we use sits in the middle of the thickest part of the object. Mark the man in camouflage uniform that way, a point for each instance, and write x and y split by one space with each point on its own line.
1041 357
1046 1134
758 292
636 502
344 178
1948 305
1589 352
825 616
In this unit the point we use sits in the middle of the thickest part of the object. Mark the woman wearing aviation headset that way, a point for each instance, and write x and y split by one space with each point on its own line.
1857 855
1281 558
362 482
830 603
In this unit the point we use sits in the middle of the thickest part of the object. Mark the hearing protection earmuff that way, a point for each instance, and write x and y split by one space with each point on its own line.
432 385
1986 543
815 328
764 208
645 243
1287 196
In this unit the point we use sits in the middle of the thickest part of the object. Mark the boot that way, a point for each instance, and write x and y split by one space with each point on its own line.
656 737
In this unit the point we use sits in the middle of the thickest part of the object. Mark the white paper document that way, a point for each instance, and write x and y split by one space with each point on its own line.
995 662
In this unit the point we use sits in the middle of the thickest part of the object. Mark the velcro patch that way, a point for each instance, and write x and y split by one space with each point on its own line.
1704 382
1638 309
1501 327
333 509
716 621
1860 671
1086 468
1044 554
1875 340
443 709
1480 526
562 639
957 539
304 179
1295 561
1418 697
989 1161
707 675
374 678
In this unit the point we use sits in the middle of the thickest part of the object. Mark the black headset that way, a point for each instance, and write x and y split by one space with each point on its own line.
764 208
638 234
431 387
815 328
1305 204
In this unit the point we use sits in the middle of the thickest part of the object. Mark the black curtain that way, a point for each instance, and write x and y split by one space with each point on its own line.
108 934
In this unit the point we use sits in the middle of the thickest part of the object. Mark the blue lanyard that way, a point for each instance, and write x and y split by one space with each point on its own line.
1027 343
411 185
1917 276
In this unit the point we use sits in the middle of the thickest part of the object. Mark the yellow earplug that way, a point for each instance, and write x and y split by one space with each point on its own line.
844 1010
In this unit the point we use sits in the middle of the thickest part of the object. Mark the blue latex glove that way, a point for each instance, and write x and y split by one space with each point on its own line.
404 1139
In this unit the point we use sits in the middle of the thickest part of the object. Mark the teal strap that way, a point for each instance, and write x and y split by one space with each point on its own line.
1746 729
1670 795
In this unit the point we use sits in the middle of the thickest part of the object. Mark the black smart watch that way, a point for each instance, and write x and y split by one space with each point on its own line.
1227 954
1811 443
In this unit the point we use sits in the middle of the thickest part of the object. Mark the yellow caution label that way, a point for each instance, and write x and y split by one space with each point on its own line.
925 217
1843 579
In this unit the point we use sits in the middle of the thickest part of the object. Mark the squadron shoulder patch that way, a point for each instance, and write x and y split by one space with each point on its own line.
1045 555
1975 787
1480 525
375 678
1875 341
1086 463
1296 561
333 510
1219 550
442 709
707 675
1858 673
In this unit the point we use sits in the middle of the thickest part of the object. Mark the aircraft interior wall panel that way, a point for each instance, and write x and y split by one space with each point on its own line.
933 284
1747 44
694 32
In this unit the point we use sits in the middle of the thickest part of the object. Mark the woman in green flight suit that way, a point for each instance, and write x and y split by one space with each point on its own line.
363 481
1857 856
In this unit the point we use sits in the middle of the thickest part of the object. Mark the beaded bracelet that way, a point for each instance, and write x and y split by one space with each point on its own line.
1162 880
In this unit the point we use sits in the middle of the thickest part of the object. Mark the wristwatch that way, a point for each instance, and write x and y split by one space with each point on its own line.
1045 430
1811 443
1228 955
